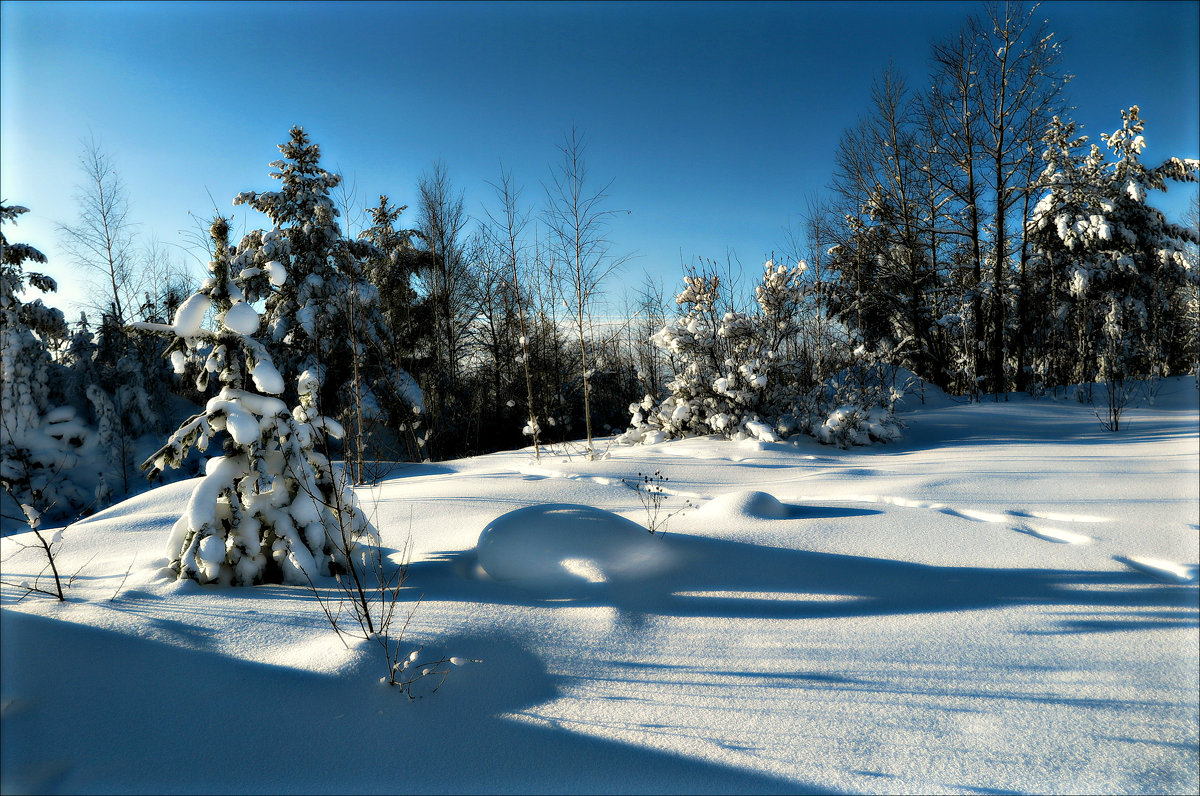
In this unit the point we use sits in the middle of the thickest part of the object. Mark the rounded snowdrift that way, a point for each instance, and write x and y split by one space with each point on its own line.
748 503
568 543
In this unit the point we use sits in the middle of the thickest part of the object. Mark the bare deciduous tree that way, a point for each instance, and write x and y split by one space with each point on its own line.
579 224
508 229
997 85
440 222
101 239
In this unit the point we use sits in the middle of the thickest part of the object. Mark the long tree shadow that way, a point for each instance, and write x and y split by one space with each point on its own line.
92 710
720 578
1037 423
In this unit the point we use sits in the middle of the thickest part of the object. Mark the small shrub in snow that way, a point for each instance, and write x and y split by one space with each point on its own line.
652 494
740 375
854 425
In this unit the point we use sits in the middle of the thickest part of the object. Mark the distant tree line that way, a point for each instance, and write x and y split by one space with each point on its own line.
970 236
445 338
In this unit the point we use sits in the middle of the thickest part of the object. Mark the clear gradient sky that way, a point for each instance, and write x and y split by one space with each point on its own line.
714 121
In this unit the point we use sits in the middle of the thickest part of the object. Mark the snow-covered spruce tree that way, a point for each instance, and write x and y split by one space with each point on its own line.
270 508
325 320
1063 347
1157 247
39 438
1123 262
390 266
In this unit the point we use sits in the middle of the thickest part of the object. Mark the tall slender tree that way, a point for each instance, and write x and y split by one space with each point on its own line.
579 222
441 221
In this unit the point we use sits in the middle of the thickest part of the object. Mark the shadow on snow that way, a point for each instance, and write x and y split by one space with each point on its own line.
200 722
720 578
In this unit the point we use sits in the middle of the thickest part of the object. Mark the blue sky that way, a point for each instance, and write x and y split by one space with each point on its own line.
714 121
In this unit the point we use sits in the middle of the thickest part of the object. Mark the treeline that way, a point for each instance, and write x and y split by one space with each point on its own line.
970 236
437 338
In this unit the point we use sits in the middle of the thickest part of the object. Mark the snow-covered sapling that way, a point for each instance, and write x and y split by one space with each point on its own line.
408 669
269 508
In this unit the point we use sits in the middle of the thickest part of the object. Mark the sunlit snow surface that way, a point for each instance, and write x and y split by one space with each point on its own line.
1004 600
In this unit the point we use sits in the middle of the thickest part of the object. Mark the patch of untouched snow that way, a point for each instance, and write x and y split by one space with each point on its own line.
747 503
1056 517
564 542
977 515
1056 535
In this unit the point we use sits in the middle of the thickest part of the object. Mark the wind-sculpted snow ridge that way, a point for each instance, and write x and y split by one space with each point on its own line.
1167 571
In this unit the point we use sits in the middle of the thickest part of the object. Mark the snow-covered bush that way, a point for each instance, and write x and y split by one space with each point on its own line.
741 375
730 375
41 439
271 507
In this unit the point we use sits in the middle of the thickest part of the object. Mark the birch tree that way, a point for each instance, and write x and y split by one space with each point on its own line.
579 222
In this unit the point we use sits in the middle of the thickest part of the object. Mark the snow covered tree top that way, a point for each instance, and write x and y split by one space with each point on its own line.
13 256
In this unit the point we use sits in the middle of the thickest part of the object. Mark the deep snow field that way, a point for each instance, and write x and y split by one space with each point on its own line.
1003 600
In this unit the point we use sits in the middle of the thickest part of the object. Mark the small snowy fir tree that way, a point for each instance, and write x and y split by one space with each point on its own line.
40 439
270 508
389 265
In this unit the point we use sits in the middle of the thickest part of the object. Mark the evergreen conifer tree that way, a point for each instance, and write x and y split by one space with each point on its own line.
1123 261
270 508
325 319
39 438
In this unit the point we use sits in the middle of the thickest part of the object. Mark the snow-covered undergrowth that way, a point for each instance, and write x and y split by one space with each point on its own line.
740 374
1003 600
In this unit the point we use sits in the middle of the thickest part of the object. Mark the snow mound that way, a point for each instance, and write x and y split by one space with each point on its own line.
749 503
565 542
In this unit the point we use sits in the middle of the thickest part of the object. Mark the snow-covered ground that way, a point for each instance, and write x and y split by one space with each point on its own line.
1004 600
